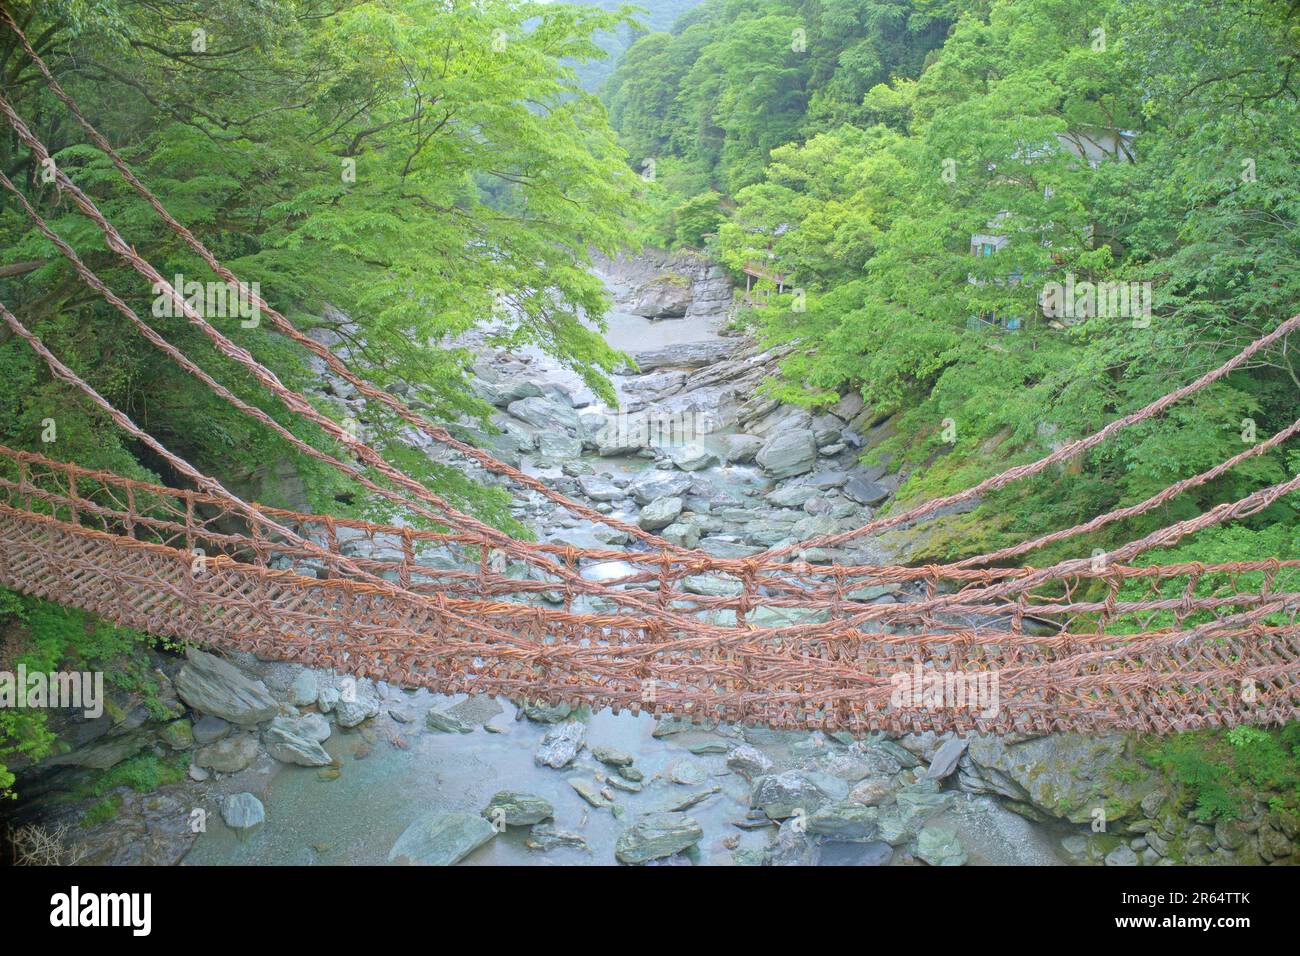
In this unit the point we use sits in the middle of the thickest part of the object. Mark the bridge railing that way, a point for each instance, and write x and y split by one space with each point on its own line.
785 643
1105 597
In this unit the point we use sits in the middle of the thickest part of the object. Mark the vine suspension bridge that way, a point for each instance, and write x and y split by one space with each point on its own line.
1083 644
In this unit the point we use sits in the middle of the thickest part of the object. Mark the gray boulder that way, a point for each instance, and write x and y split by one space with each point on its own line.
864 491
544 414
210 729
441 839
303 690
787 453
611 756
515 809
666 296
656 836
827 480
213 686
793 496
599 488
939 846
845 820
107 751
793 847
879 593
611 434
357 702
243 812
782 795
684 355
693 457
546 836
848 407
659 513
687 772
297 740
913 806
513 389
945 759
651 485
558 446
748 761
712 585
445 723
782 419
228 755
575 396
1122 855
313 727
1066 776
768 531
681 533
814 526
544 713
873 791
561 744
740 448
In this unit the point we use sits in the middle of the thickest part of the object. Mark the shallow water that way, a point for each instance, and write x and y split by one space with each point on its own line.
357 817
381 789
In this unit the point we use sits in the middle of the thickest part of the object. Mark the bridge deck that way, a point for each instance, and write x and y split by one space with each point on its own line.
456 627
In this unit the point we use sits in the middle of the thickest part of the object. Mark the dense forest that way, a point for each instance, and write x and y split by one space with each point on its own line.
652 16
866 148
415 172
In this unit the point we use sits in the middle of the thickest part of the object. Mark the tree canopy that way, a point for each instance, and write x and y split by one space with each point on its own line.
414 165
1145 144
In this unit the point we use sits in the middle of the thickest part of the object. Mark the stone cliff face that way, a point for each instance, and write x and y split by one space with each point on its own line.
664 285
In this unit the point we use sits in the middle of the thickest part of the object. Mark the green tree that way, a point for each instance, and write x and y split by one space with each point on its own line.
414 164
736 79
1087 140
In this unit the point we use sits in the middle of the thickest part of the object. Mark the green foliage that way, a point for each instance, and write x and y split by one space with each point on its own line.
819 211
1088 141
735 79
696 218
102 810
143 773
651 15
52 638
664 192
484 175
12 606
1225 770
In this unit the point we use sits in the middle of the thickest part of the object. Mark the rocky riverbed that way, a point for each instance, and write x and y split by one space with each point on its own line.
288 765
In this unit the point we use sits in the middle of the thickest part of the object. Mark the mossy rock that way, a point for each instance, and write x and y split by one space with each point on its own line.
1066 776
178 735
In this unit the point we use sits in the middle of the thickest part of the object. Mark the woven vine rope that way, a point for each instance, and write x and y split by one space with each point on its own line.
1157 648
